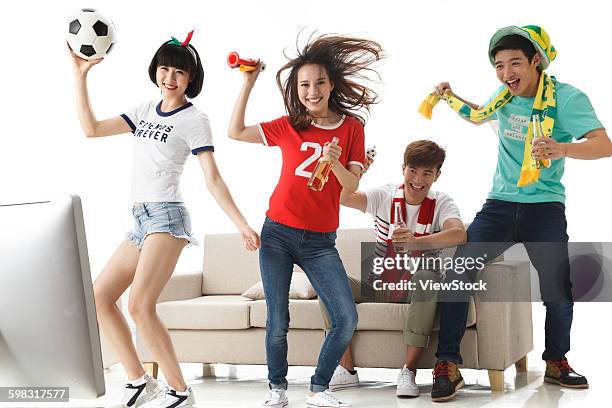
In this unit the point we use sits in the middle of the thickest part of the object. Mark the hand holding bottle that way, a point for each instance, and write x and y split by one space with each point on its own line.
544 147
547 148
332 152
400 234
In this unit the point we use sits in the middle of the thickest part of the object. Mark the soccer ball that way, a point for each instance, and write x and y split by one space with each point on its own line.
90 35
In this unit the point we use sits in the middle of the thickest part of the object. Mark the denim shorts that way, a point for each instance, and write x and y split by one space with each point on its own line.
150 218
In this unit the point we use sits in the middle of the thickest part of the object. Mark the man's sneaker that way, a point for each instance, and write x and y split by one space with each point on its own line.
325 399
343 379
140 392
276 398
447 380
406 386
173 399
560 372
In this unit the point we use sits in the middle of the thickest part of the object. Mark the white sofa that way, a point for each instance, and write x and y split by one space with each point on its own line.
210 322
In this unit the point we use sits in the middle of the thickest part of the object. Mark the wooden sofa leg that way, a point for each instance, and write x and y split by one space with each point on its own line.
521 365
151 368
208 370
496 378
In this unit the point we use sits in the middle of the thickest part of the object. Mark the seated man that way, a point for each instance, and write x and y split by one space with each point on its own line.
432 219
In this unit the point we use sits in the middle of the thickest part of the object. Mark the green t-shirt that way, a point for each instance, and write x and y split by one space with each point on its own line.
575 117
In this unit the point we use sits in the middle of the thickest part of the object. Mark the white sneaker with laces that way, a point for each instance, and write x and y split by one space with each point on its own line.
343 379
325 399
138 395
276 398
173 399
406 385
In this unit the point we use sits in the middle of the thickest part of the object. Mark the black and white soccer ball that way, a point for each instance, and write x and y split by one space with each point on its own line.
90 34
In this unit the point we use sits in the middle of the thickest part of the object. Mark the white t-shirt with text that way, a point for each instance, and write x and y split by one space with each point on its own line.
162 143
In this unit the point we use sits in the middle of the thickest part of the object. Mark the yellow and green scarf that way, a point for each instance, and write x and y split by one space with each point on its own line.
544 105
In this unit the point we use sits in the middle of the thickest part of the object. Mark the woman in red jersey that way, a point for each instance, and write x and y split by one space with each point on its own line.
323 96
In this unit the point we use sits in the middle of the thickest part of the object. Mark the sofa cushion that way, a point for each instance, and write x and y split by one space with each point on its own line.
300 288
392 316
229 269
348 244
303 314
226 274
306 314
206 312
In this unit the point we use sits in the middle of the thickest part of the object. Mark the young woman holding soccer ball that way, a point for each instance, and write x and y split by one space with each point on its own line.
165 133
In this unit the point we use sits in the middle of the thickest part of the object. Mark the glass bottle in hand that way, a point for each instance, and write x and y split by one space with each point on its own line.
399 225
536 126
319 176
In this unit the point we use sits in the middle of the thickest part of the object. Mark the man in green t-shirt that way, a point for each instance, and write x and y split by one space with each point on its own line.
531 211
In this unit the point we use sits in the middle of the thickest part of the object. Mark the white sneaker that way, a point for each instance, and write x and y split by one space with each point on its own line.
406 386
343 379
276 398
173 399
138 395
325 399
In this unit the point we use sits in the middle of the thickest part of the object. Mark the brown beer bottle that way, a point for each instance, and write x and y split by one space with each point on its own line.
319 176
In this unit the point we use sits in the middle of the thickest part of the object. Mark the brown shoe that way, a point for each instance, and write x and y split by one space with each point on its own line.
559 372
447 380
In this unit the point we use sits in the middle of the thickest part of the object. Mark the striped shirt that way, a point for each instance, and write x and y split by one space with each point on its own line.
379 206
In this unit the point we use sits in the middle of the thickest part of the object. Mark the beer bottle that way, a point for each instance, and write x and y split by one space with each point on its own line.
319 176
400 247
536 126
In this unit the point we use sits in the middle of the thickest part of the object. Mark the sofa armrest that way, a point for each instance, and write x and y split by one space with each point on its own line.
504 327
181 286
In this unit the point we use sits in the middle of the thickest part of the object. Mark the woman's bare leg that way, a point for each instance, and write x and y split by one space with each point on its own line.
158 258
114 279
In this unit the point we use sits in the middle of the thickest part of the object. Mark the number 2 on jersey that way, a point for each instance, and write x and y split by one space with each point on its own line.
300 170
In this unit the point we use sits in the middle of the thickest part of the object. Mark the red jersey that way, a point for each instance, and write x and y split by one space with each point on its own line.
293 203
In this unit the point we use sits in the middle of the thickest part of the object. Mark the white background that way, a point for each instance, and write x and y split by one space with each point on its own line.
43 150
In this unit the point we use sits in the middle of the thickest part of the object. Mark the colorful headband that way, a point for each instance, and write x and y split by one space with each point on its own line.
185 44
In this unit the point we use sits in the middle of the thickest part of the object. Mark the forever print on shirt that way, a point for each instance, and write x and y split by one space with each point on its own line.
152 130
162 143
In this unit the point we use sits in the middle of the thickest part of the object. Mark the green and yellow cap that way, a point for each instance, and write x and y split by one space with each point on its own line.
538 37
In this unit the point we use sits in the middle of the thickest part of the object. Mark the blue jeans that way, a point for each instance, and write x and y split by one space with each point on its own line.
316 254
498 226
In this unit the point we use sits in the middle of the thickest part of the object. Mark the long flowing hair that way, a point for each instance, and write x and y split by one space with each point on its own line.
347 61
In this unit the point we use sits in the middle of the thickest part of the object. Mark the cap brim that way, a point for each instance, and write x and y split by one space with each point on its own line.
513 30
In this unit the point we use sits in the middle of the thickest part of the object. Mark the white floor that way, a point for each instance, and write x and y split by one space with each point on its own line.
245 386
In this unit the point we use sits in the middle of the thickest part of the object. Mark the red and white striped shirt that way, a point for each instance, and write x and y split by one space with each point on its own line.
379 206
